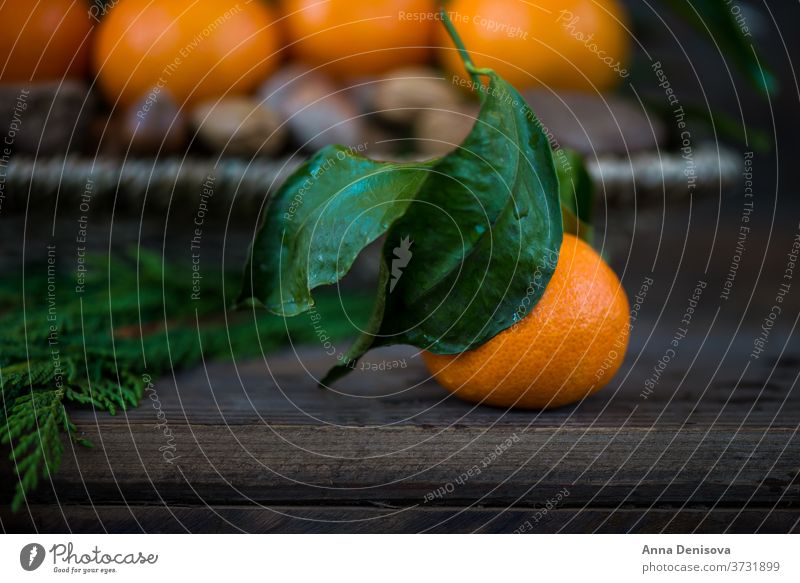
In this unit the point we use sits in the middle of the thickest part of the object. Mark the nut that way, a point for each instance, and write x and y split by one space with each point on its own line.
154 124
239 126
403 94
315 111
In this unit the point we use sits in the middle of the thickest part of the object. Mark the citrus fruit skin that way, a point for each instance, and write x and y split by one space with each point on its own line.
370 37
559 44
194 49
43 41
566 348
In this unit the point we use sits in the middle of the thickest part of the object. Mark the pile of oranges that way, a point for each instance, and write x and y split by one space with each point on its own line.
201 49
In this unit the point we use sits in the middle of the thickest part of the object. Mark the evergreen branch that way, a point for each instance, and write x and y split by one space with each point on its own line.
93 352
32 427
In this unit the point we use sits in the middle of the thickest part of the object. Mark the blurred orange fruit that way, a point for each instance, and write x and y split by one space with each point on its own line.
370 38
566 348
44 41
195 49
561 44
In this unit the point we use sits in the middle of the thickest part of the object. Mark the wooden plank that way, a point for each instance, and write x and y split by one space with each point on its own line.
282 388
409 466
282 440
338 519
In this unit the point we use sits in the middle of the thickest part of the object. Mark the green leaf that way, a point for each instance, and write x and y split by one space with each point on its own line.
714 17
318 222
475 227
487 220
472 239
576 192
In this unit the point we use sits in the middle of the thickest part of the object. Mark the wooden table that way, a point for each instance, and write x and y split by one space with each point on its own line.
259 448
258 454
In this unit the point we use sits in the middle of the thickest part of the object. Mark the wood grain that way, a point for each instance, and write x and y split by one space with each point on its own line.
333 519
400 465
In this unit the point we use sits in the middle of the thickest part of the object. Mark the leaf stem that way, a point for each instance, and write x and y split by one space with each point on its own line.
473 71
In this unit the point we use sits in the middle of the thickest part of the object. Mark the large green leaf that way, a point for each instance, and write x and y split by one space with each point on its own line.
472 239
315 226
487 220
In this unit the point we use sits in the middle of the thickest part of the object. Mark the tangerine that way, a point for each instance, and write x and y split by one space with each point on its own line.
568 347
44 41
196 49
350 39
561 44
